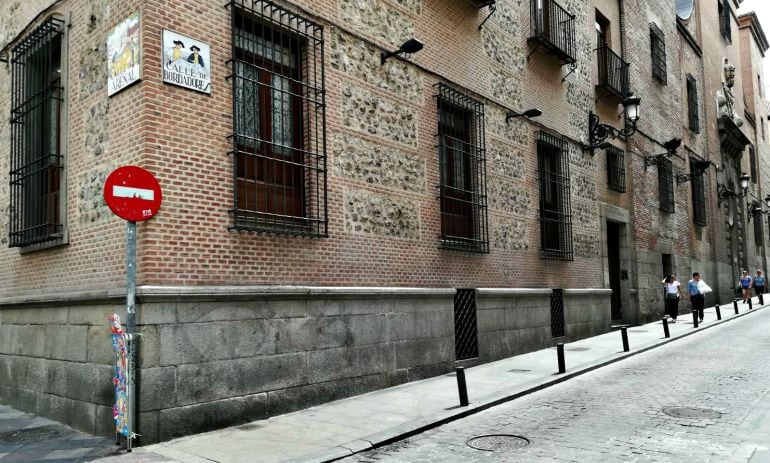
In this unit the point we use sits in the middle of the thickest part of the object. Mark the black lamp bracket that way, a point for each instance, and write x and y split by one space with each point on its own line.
724 193
598 133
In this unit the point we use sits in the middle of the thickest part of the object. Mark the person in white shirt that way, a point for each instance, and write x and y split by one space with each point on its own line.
673 294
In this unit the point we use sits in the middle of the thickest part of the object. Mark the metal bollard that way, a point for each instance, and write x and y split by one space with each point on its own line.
735 306
462 388
665 328
560 357
694 318
624 336
750 304
719 312
761 299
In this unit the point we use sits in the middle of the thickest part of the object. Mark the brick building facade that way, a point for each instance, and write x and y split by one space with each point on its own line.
327 249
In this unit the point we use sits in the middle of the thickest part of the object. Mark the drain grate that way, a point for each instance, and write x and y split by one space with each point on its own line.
32 434
519 370
692 412
497 442
577 349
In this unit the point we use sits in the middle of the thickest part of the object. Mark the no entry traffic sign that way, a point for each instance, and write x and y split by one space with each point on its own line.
132 193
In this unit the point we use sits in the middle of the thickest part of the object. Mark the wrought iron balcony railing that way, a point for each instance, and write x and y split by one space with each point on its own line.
553 28
613 72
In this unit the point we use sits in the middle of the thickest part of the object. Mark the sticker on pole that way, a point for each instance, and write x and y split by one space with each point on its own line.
132 193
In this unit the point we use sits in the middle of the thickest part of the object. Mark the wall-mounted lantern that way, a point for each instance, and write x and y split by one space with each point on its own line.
671 147
723 193
406 48
534 112
598 133
697 168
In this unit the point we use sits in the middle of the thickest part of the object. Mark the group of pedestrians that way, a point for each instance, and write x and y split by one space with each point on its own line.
696 292
745 283
697 289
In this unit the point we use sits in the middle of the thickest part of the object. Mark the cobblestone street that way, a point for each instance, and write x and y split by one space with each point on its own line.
619 413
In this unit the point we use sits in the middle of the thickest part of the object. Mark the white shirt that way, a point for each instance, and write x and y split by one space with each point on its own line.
672 288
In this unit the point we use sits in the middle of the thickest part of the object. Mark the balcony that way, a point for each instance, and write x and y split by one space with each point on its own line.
613 73
553 29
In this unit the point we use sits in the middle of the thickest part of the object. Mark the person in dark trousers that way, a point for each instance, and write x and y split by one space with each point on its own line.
673 294
759 286
696 297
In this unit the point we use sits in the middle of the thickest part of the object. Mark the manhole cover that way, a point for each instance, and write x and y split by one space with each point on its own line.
497 442
692 412
32 434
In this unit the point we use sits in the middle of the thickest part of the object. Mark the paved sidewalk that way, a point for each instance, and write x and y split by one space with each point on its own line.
28 438
338 429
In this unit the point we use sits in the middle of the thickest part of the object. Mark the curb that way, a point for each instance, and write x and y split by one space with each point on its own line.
411 428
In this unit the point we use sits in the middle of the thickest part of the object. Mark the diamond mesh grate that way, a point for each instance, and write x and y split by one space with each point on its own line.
37 434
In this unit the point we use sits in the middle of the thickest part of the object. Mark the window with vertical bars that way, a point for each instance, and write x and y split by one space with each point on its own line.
758 232
725 12
554 188
462 171
616 169
698 186
666 185
36 121
658 53
279 121
693 120
753 164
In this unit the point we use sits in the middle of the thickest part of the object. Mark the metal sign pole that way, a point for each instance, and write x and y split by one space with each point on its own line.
131 337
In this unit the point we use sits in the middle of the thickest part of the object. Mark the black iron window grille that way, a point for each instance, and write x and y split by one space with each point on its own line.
466 326
558 323
666 185
462 171
697 183
36 164
613 72
553 28
555 210
279 121
725 13
758 232
692 104
658 53
753 164
616 169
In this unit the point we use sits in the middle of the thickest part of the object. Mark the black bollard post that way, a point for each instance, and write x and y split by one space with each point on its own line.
694 318
462 388
624 336
735 306
719 312
665 328
761 299
560 357
750 304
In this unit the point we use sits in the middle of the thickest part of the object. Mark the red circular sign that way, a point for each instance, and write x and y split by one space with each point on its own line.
132 193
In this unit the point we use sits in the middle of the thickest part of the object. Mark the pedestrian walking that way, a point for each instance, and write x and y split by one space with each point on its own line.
745 282
759 286
673 294
697 289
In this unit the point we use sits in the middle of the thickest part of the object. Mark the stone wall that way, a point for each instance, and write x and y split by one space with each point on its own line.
220 356
515 321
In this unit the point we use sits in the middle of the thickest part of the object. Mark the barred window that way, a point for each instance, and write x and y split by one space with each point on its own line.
555 210
692 104
616 169
753 164
37 98
725 13
279 121
658 53
666 185
462 171
698 195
